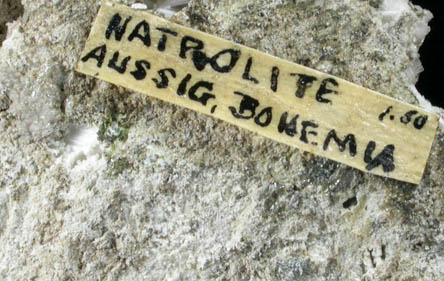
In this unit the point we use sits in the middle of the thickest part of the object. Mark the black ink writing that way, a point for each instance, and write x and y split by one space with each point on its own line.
305 133
145 38
140 72
274 78
119 68
182 89
290 127
420 121
387 111
114 26
247 104
213 109
201 56
200 60
98 57
246 75
163 39
203 99
303 83
185 46
163 83
342 144
408 117
384 159
267 112
323 90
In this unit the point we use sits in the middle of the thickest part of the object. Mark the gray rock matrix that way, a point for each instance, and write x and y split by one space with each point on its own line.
101 183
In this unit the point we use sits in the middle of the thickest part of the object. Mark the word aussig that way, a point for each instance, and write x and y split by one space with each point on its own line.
275 98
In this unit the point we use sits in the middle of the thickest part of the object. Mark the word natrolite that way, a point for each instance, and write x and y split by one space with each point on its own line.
284 101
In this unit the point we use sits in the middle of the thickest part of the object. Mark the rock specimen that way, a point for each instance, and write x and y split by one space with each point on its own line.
100 183
9 11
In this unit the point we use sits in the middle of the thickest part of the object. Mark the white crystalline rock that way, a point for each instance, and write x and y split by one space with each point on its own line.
168 12
101 183
82 146
139 6
170 7
173 3
393 9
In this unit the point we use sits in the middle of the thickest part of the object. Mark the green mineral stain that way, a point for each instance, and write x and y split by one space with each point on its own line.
119 165
112 129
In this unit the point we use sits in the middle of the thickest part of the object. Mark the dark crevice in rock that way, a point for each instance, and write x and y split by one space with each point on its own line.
383 253
431 53
372 259
351 202
10 10
5 102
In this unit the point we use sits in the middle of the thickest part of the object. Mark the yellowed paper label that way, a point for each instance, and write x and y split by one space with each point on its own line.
286 102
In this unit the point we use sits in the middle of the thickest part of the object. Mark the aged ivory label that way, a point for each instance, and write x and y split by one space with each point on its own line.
286 102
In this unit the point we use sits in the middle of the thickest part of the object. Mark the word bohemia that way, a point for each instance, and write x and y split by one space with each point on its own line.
278 99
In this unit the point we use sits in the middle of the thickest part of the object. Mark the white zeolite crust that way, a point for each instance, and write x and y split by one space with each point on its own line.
99 183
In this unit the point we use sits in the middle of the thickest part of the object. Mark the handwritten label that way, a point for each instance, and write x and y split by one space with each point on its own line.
286 102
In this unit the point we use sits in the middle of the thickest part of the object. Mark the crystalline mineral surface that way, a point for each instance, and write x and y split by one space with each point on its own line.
100 183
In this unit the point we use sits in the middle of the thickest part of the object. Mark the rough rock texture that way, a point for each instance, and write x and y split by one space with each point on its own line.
100 183
9 11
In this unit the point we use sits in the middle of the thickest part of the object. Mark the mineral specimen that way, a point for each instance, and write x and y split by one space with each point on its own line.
100 183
